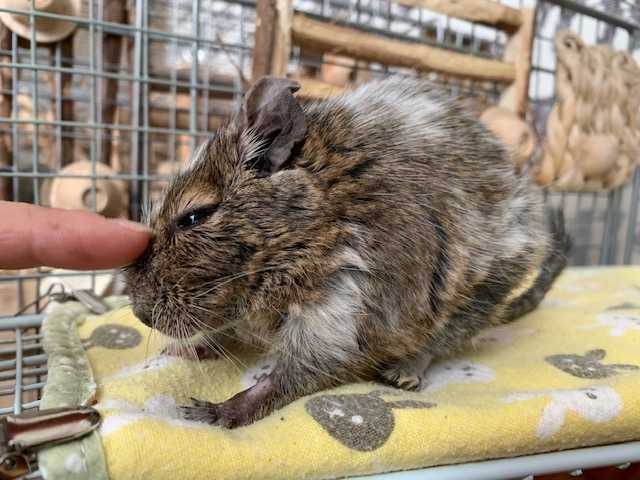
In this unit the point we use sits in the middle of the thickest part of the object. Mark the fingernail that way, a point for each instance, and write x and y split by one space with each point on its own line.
138 227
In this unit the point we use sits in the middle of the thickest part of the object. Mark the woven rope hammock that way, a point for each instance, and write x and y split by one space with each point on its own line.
593 130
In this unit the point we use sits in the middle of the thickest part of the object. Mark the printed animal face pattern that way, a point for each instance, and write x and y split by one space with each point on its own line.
455 371
362 422
587 365
114 337
596 403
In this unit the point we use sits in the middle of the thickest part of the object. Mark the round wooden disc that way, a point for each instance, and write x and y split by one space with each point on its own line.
77 193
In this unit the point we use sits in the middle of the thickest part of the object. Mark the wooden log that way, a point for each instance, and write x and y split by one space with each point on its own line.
487 12
328 37
6 89
272 38
282 40
317 89
266 14
519 51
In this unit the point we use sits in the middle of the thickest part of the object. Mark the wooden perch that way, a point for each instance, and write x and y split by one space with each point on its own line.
272 38
318 35
487 12
317 89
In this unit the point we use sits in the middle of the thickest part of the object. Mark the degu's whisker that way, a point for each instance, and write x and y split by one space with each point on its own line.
230 278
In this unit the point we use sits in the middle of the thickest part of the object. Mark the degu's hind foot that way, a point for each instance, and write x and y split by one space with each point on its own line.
408 374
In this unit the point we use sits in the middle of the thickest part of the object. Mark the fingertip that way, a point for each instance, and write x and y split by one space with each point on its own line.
135 226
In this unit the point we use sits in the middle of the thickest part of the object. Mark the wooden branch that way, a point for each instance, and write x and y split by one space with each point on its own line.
317 89
272 38
327 37
487 12
519 50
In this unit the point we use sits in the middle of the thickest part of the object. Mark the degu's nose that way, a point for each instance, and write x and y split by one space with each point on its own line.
143 315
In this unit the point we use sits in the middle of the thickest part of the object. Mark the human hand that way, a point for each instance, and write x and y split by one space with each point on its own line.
33 236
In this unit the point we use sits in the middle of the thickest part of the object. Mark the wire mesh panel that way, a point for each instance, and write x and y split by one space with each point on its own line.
102 118
22 364
134 89
23 368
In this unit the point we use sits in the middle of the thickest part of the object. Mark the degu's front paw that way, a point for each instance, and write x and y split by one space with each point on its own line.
399 378
225 414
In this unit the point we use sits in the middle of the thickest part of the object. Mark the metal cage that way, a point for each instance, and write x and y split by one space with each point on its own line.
140 83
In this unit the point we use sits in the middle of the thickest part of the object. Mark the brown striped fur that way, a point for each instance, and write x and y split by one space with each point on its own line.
394 233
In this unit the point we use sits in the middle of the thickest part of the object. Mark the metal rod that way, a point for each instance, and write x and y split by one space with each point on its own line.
25 348
213 87
115 176
24 361
34 144
26 406
632 222
25 321
20 121
137 60
27 373
25 388
17 399
193 111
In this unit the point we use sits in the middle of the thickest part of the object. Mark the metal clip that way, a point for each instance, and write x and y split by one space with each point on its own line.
24 434
93 302
90 300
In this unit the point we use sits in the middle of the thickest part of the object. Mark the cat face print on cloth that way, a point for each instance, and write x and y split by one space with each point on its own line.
362 422
588 365
114 337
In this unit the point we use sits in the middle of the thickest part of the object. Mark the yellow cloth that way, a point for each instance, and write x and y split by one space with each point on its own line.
565 376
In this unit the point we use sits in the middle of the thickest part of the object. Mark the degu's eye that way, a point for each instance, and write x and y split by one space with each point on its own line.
195 216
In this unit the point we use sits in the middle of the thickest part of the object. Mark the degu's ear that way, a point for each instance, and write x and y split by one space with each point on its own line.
272 113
